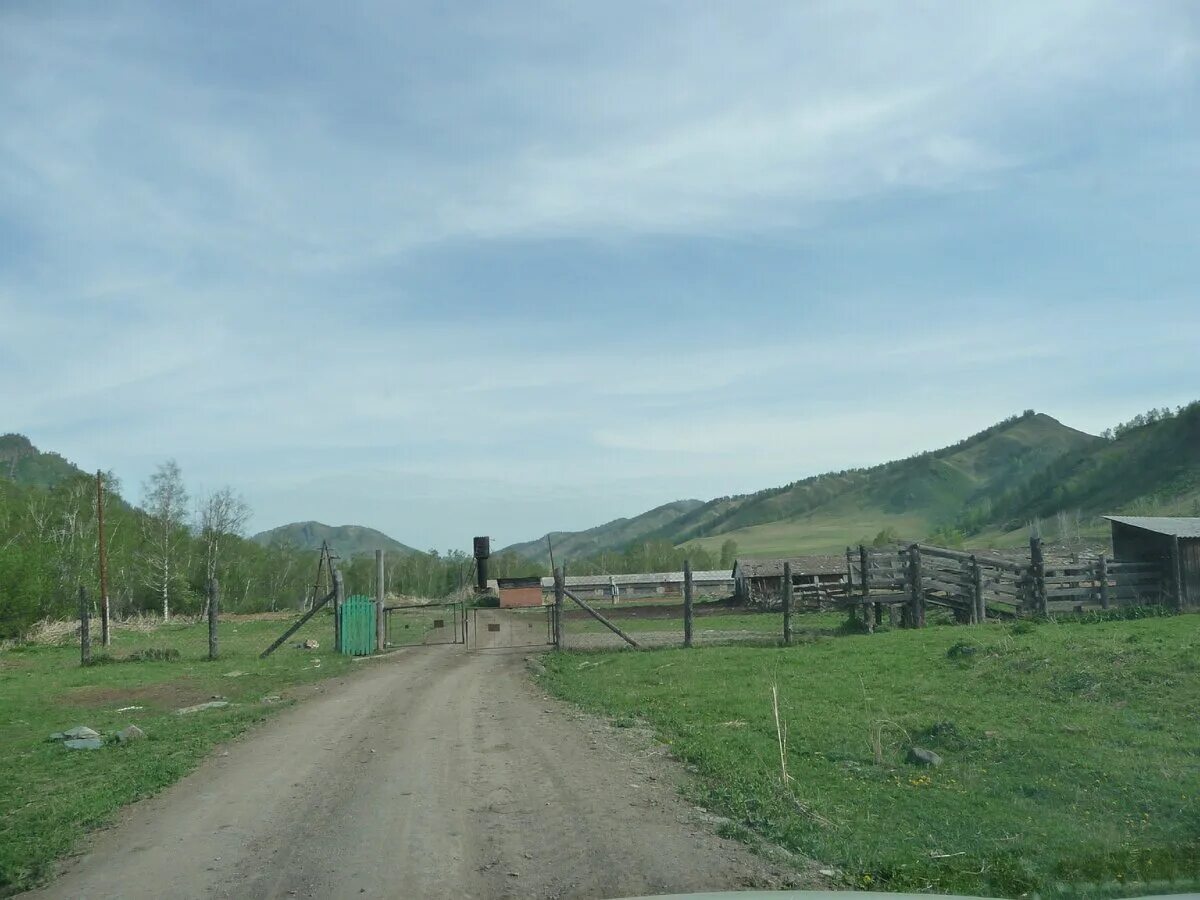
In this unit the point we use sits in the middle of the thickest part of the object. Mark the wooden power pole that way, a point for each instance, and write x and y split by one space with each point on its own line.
105 636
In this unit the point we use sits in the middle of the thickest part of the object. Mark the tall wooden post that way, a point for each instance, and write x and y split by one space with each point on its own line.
380 615
916 590
849 573
1037 572
687 603
864 587
1177 573
787 603
559 597
85 629
339 598
105 637
1103 576
214 602
977 590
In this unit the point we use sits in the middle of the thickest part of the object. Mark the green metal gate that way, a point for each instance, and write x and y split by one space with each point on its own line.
358 626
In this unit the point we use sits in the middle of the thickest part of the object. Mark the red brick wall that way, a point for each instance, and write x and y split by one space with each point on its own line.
520 596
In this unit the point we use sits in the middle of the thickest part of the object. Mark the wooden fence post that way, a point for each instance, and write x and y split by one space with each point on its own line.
1177 573
380 615
214 601
1102 565
102 547
1037 571
787 604
864 576
85 629
687 603
339 598
559 596
977 590
916 590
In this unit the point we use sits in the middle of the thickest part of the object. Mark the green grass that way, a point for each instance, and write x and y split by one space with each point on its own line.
51 796
1072 751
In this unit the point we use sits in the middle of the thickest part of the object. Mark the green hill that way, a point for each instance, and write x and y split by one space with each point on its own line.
614 535
911 497
1150 466
962 486
345 540
24 464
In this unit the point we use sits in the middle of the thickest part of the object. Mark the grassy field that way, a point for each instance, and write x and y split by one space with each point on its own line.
52 795
1071 751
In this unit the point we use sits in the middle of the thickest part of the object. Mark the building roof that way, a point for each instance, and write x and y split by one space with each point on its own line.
707 577
801 565
1174 526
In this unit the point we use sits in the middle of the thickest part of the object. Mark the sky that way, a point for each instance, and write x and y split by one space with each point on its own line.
478 268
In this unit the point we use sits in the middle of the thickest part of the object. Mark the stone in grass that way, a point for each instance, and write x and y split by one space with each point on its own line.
200 707
922 757
81 732
84 744
130 734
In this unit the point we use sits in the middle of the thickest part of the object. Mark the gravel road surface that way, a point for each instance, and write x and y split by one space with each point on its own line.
435 772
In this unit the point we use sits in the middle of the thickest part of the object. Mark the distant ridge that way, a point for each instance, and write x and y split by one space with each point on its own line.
25 464
614 535
346 540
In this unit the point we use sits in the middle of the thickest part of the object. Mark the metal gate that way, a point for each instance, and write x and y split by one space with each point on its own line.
489 628
357 626
422 625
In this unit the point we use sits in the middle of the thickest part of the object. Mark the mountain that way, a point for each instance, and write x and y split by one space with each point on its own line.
911 497
614 535
345 540
1150 466
23 463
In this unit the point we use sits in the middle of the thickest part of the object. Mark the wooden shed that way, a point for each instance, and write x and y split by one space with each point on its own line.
761 580
1172 541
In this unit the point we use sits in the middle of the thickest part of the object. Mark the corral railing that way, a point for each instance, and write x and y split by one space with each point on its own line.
976 586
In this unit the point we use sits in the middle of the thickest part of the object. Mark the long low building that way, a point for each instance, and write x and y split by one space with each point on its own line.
717 583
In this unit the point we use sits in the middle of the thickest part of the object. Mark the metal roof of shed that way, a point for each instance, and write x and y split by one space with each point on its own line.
1173 526
801 565
706 577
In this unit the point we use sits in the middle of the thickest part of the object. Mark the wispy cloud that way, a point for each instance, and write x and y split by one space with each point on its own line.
581 260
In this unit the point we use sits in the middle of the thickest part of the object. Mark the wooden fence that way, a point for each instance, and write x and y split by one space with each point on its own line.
976 587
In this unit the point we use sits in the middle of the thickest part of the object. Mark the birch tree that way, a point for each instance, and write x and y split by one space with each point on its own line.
165 501
221 515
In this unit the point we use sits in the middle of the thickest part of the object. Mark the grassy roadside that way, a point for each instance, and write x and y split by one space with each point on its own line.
51 796
1071 751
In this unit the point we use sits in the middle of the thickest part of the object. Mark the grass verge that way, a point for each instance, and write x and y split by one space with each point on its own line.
51 796
1071 751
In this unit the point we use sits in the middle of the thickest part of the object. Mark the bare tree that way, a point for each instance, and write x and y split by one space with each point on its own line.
165 502
219 516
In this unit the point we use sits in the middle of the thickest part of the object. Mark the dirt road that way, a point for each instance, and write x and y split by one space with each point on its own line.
434 773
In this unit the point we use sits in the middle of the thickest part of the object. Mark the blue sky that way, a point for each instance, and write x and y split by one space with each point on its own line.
527 266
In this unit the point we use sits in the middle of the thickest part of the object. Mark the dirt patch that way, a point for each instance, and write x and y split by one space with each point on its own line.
661 611
167 695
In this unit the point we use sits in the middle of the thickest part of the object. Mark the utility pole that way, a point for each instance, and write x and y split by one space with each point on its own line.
105 636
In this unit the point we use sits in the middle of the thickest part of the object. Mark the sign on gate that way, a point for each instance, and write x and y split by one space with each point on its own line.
358 626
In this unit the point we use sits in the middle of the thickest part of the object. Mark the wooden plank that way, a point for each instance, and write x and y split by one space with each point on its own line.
296 627
380 615
603 621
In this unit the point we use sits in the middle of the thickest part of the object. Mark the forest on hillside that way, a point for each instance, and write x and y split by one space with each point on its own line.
162 552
